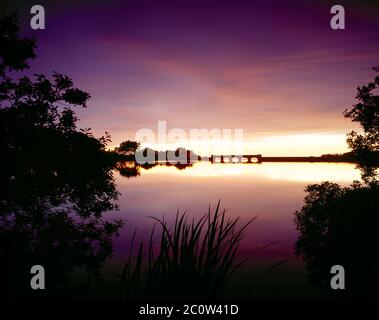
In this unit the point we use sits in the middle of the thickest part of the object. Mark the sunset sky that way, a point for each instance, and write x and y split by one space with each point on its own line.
272 68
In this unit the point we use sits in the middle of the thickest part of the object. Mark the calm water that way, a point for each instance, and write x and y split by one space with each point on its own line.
273 191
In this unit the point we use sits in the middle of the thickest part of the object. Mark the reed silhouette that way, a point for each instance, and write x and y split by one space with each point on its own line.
192 259
56 184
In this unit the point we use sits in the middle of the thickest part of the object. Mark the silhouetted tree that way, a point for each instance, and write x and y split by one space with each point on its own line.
14 50
128 147
56 180
365 145
338 226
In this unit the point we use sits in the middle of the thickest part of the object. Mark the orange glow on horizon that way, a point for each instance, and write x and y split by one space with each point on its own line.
313 144
295 172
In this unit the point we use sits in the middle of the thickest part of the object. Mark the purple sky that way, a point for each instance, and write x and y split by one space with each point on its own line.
273 68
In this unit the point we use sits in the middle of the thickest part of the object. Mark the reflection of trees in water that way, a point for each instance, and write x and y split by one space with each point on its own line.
129 169
56 223
56 181
338 226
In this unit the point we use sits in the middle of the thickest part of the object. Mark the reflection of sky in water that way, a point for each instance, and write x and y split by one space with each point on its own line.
307 172
271 190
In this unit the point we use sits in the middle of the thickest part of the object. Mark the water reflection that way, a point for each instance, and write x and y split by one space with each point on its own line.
52 229
302 172
51 214
338 226
271 190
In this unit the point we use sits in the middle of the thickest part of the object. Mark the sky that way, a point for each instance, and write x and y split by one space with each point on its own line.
275 69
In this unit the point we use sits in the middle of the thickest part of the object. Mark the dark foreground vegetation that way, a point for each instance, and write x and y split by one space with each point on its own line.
57 185
191 259
56 180
338 225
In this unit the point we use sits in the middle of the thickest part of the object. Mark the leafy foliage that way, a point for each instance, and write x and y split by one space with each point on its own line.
128 147
14 51
338 226
366 113
56 180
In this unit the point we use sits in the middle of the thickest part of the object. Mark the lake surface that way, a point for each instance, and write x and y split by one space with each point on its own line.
273 191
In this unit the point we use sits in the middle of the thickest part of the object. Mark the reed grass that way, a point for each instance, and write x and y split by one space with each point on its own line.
193 258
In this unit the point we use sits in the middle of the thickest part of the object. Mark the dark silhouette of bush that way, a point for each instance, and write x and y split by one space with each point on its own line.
338 226
365 145
56 180
127 148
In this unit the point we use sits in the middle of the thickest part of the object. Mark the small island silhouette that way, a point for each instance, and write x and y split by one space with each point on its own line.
184 156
